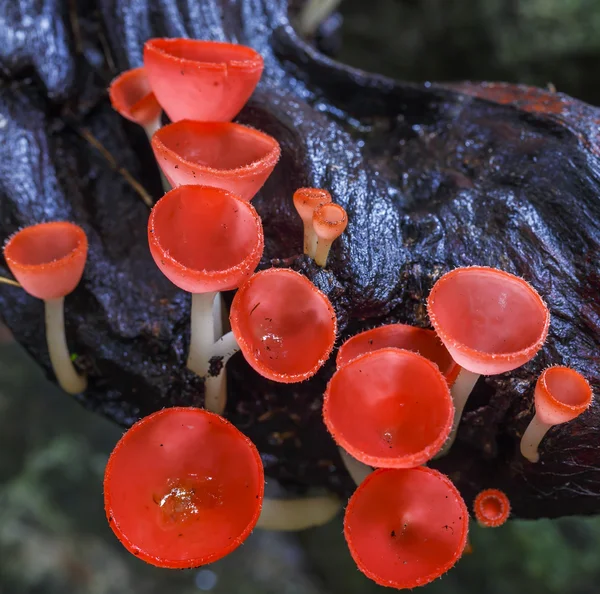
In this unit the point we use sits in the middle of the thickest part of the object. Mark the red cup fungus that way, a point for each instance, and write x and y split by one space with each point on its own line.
401 336
561 395
329 222
284 325
183 488
205 240
306 200
48 260
131 96
490 321
201 80
389 408
406 527
491 508
221 154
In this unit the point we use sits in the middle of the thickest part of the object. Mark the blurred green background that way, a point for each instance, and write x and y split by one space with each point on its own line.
53 534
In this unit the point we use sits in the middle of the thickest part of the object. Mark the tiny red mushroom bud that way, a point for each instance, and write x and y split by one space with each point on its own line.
229 156
400 336
182 488
205 240
284 325
490 321
201 80
561 395
130 95
48 260
491 508
406 527
390 408
329 222
306 201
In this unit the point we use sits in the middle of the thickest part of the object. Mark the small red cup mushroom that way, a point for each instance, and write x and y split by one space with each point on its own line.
182 488
329 222
201 80
205 240
491 508
490 321
48 260
561 395
132 97
406 527
284 325
400 336
306 201
221 154
389 408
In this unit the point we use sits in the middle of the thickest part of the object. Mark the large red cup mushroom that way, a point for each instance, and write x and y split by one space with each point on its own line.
131 96
561 395
490 321
400 336
221 154
201 80
205 240
284 325
48 260
183 487
389 408
405 528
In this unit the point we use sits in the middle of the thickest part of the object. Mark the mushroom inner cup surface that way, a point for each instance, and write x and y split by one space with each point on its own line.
285 322
215 145
35 247
489 312
184 489
567 387
131 92
216 53
389 405
208 231
491 508
407 527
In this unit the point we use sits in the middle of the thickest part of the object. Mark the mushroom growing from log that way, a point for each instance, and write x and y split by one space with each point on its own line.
183 488
329 222
306 201
48 260
561 395
490 321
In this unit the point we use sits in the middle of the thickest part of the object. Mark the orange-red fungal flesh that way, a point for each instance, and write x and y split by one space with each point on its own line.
130 95
284 325
329 221
229 156
491 508
561 395
401 336
201 80
183 487
306 200
390 408
205 239
47 259
489 320
406 527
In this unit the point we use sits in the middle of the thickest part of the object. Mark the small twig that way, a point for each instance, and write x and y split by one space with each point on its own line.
85 133
10 281
75 26
106 51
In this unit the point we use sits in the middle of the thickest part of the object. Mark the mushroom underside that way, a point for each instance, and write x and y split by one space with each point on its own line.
449 179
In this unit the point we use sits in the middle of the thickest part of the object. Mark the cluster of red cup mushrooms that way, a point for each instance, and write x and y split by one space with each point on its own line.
184 487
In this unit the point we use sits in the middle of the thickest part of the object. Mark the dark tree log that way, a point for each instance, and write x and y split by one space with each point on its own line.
432 177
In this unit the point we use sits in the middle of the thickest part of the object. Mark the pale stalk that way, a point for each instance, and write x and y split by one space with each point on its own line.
150 129
298 514
356 469
322 252
530 442
202 332
215 386
66 374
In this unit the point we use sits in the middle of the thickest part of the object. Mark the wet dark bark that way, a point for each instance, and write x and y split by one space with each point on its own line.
432 178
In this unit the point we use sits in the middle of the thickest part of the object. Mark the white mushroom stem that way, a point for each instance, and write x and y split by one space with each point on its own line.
310 239
150 129
322 252
215 386
461 390
356 469
298 514
202 333
68 378
314 13
530 442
